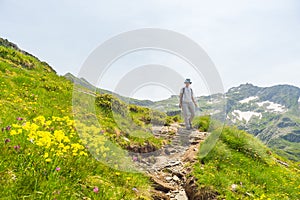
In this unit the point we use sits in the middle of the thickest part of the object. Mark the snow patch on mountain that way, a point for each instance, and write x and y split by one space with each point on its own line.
247 100
246 115
271 106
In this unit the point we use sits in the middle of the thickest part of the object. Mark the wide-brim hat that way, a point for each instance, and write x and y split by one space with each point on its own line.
188 81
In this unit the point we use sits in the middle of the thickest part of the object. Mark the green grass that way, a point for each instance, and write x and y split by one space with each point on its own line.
239 158
30 89
202 123
29 176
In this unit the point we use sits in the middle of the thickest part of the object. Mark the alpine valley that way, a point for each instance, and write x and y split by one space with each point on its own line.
271 114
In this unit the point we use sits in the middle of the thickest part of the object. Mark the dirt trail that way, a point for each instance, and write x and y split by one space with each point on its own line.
170 165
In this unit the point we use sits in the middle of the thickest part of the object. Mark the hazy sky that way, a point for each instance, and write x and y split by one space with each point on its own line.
254 41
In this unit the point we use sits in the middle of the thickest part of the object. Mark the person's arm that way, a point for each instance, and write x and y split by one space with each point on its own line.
193 99
180 98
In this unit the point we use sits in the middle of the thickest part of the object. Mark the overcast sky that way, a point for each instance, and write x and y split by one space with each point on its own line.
255 41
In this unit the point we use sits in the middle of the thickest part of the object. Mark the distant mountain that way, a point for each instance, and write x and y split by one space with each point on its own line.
271 114
283 97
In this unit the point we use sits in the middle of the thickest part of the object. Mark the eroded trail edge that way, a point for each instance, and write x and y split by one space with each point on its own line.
170 170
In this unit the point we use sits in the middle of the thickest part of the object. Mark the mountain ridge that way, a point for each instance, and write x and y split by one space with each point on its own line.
10 45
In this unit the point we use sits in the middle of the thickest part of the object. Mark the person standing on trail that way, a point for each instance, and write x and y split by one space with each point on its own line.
187 103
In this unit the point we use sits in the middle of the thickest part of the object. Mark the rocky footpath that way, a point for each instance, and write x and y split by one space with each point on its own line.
170 166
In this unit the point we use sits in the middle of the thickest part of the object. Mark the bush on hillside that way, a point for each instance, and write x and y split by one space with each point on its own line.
202 123
109 102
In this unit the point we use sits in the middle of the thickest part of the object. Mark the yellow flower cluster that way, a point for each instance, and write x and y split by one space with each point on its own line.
55 135
93 137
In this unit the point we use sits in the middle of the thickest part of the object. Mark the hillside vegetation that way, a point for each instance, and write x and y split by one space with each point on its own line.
241 167
44 157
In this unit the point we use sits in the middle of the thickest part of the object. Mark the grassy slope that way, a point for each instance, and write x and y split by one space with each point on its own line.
239 158
31 90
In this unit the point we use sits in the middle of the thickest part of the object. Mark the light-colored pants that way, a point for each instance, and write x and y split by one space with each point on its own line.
188 109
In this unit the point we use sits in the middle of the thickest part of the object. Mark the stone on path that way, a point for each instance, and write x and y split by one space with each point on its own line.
181 195
161 185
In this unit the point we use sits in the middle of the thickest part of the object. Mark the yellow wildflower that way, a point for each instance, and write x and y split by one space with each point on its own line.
13 132
40 119
16 126
59 135
82 153
48 123
46 155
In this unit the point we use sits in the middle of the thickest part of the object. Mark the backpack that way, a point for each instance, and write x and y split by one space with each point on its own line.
183 89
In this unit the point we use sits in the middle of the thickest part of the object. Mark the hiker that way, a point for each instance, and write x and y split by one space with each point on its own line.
187 103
